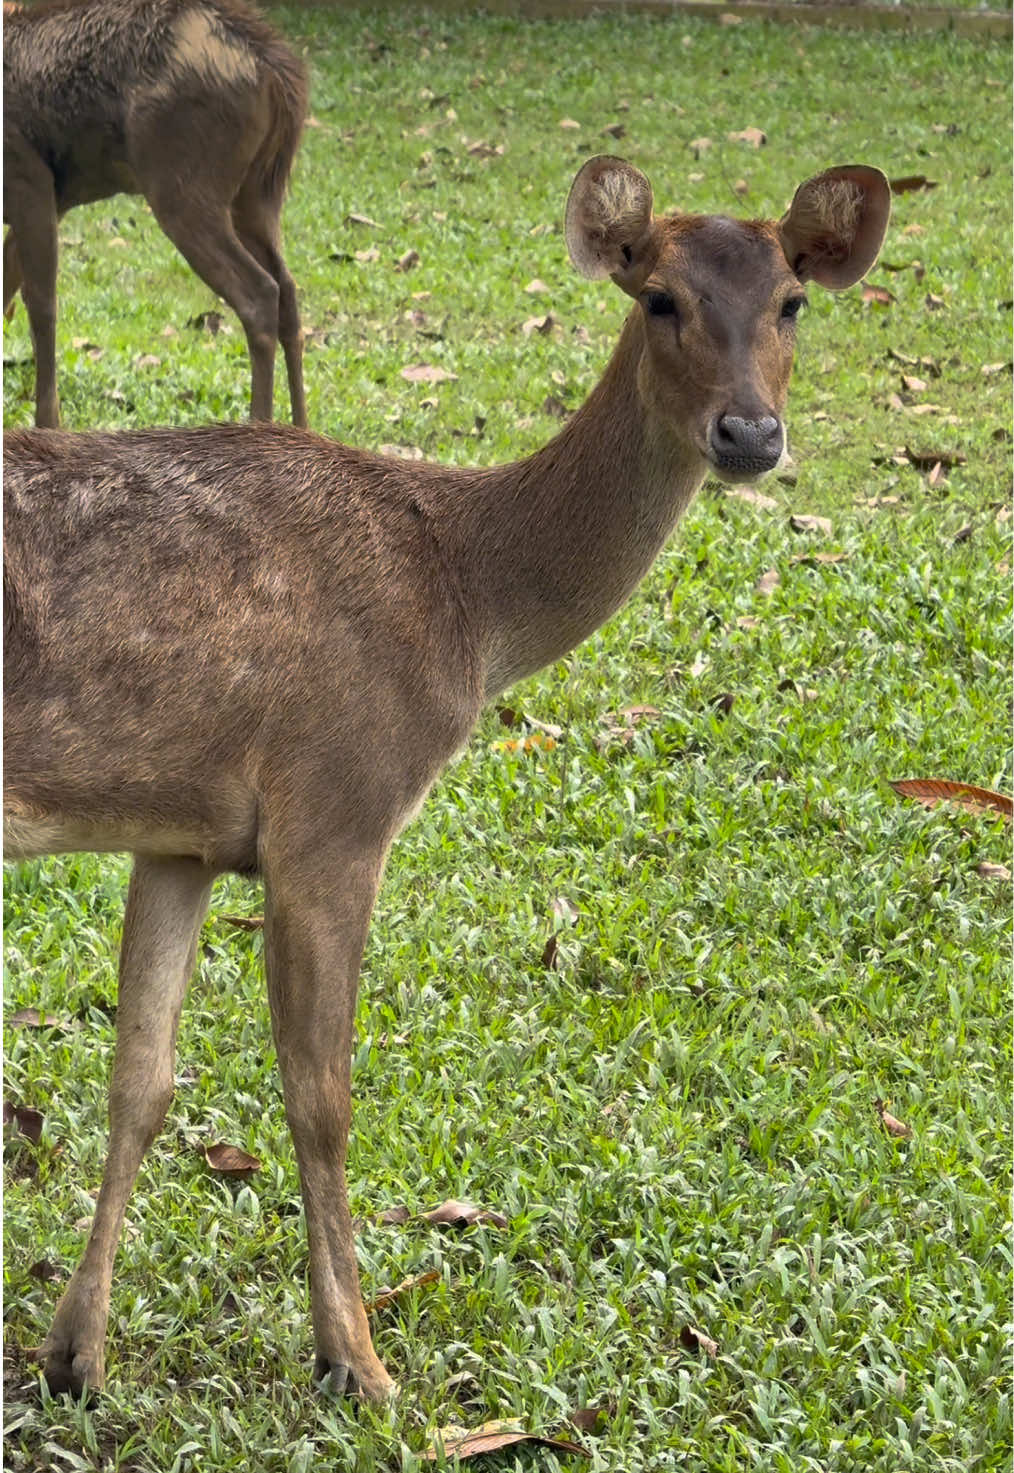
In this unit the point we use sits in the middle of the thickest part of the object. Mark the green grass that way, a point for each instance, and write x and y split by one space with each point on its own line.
678 1119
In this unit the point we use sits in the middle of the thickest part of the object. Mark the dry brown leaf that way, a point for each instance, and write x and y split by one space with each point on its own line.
752 495
890 1122
753 136
914 385
747 621
368 256
25 1120
535 287
403 452
988 369
691 1338
542 325
806 523
591 1419
408 260
906 183
614 130
231 1161
388 1296
458 1442
427 373
35 1018
463 1214
565 910
550 953
569 123
878 294
988 871
767 582
813 558
930 791
639 713
394 1216
699 146
925 460
354 219
937 476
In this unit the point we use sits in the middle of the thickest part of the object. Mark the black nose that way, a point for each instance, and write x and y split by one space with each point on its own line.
746 444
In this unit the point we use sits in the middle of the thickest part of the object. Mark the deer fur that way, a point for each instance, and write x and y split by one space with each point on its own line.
196 104
250 648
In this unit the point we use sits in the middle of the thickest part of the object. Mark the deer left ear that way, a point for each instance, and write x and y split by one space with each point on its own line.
835 226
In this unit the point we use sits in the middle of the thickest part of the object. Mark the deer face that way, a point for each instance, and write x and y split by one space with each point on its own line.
719 298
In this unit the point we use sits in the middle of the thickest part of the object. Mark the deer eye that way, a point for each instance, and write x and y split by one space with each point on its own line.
660 304
791 308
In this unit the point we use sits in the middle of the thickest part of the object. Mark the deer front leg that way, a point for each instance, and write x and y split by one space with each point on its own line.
316 912
165 906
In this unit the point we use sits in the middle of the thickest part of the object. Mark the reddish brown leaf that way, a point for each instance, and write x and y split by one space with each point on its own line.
463 1214
509 716
813 558
890 1122
988 871
930 791
878 294
457 1442
906 183
691 1338
767 582
753 136
27 1018
45 1270
591 1419
393 1216
407 261
542 325
637 714
231 1161
925 460
752 495
550 952
388 1296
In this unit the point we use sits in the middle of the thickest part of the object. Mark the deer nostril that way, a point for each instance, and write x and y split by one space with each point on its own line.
747 444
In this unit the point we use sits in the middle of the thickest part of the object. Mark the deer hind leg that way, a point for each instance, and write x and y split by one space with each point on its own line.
165 906
256 219
30 256
316 912
200 225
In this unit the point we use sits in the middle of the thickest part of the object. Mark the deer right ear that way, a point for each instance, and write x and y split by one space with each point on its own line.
608 221
835 226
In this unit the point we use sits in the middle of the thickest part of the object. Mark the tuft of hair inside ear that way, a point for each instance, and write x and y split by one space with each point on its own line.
616 206
834 208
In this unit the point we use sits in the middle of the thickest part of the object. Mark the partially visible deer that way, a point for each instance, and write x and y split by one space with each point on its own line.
196 104
249 648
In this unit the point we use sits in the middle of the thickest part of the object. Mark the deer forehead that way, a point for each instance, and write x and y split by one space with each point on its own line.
718 259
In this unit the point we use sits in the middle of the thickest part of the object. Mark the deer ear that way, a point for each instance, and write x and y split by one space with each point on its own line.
608 223
835 225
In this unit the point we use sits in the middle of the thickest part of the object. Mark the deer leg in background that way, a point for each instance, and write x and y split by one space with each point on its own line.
202 230
317 907
30 255
165 906
257 223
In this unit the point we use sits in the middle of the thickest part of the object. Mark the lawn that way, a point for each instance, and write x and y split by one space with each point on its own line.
636 990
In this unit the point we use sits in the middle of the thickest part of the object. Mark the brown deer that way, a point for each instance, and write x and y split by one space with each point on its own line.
196 104
249 648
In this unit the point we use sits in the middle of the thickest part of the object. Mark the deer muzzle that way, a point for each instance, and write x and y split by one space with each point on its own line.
740 447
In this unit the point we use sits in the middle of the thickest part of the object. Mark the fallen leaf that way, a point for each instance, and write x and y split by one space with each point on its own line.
930 791
639 713
914 385
963 534
723 704
891 1123
542 325
909 182
212 322
937 476
426 373
231 1160
805 523
243 923
535 287
747 621
878 294
147 360
933 302
565 910
354 219
699 146
550 953
990 368
394 1216
767 582
367 256
463 1214
45 1270
813 558
691 1338
591 1419
987 871
753 136
25 1120
925 460
569 123
457 1442
388 1296
753 496
408 260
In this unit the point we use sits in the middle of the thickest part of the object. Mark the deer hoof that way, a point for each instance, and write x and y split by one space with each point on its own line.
67 1370
335 1378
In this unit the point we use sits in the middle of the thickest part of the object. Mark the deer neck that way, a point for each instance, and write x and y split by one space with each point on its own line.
556 543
